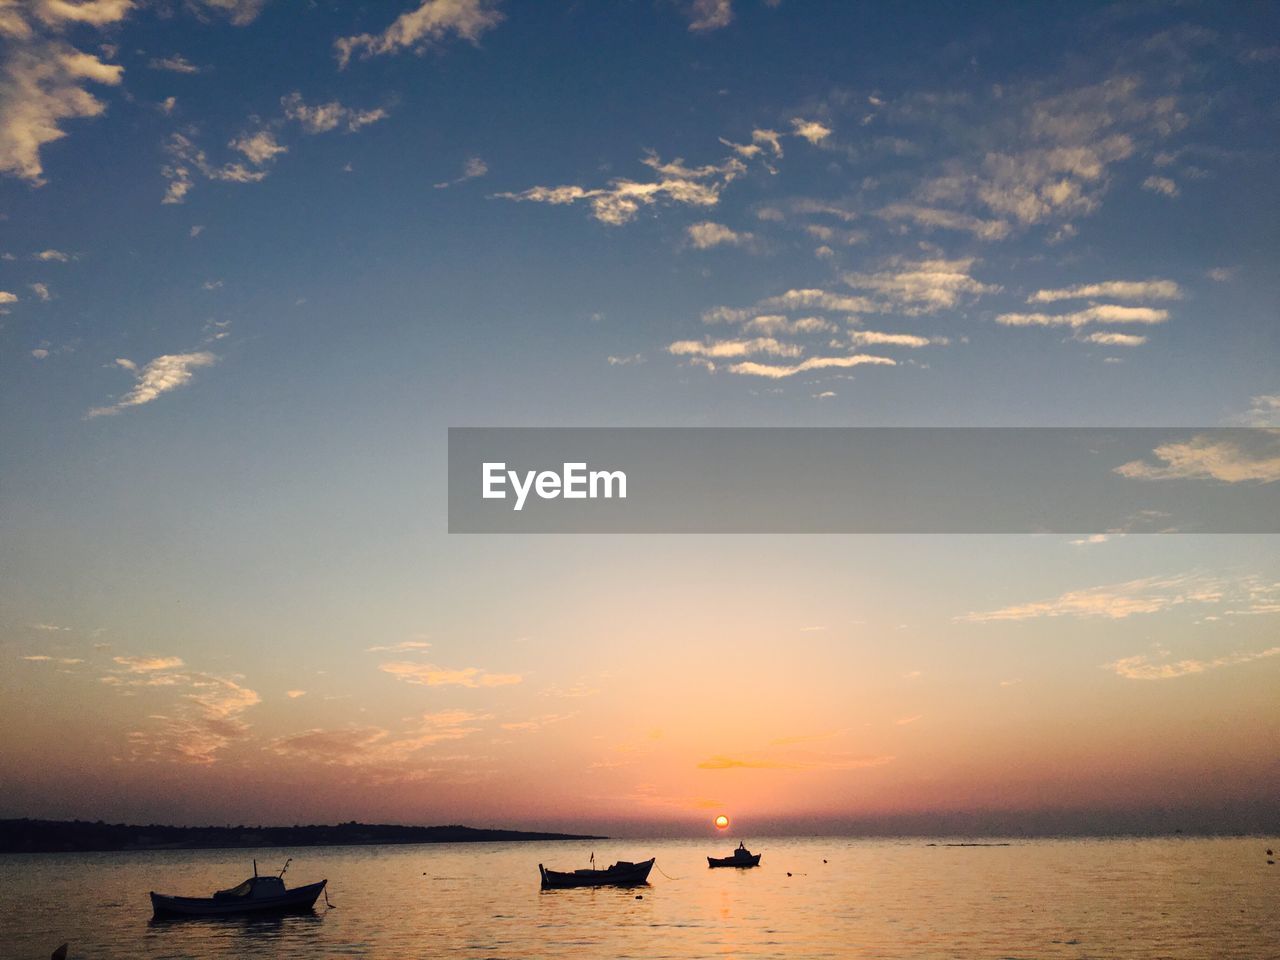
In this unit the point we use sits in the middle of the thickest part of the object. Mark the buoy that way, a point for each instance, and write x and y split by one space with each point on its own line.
639 896
824 860
788 873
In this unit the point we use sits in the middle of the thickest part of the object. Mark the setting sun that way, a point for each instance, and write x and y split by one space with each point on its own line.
722 822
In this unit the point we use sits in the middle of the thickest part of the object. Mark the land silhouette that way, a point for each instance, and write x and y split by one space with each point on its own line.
69 836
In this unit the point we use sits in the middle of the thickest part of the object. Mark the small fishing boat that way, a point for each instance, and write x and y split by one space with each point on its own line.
257 895
622 874
742 857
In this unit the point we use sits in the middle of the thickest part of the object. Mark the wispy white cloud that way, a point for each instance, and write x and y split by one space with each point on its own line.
946 220
1161 185
323 117
810 130
430 675
778 372
721 349
1110 339
1139 290
621 200
205 718
922 286
1100 313
430 22
1264 411
376 746
44 81
474 167
158 377
706 234
1144 668
1113 601
1209 457
174 64
707 15
401 646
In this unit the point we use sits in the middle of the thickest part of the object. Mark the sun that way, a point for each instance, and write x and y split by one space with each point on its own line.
722 822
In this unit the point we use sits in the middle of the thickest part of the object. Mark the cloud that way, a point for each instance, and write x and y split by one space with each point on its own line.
1100 313
239 12
401 646
706 15
1107 339
765 145
205 719
1044 158
621 200
175 64
1113 602
188 161
719 349
430 22
923 286
43 83
1222 274
810 130
1264 411
52 256
7 297
1161 185
148 664
1142 668
1205 457
373 746
706 234
1140 290
772 323
295 694
775 372
863 338
159 376
946 220
1090 540
473 168
324 117
430 675
260 148
808 762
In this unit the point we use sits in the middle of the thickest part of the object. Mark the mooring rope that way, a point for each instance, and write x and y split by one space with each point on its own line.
667 875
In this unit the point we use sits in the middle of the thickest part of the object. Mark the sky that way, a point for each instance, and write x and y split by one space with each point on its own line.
257 257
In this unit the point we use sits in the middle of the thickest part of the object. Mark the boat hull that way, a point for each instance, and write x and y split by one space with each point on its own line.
751 861
297 900
630 875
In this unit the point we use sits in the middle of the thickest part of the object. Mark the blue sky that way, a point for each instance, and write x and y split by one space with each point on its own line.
259 256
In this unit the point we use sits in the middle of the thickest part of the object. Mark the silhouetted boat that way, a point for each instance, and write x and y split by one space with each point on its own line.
621 874
742 857
255 895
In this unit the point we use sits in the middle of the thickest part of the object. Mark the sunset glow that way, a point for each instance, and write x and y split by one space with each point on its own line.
248 286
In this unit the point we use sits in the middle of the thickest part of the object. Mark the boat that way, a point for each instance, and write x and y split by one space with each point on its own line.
742 857
257 895
624 873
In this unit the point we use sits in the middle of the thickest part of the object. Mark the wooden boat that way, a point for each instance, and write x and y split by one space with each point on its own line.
257 895
621 874
742 857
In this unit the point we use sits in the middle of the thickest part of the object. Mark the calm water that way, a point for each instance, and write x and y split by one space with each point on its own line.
872 898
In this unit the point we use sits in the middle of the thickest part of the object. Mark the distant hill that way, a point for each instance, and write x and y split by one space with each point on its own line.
53 836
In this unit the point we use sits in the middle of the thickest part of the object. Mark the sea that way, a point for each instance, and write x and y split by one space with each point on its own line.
916 897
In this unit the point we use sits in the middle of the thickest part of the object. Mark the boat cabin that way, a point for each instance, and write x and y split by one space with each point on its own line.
255 888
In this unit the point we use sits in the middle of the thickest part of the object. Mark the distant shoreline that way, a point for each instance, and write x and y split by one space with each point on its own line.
83 836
